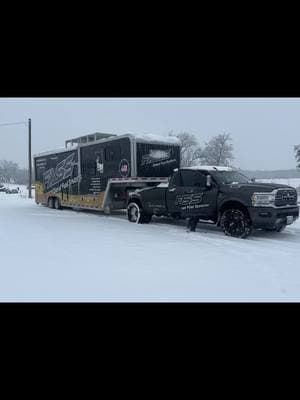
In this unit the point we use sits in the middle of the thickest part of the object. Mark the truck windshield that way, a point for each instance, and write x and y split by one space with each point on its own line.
230 177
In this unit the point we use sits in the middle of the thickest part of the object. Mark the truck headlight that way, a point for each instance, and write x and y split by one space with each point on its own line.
263 199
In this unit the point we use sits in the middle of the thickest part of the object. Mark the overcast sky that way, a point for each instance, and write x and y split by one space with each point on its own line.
264 131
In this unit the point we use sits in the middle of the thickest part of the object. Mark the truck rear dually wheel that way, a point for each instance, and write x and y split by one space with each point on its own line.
236 223
136 214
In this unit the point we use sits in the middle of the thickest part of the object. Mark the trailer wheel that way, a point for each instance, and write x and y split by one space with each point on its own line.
57 205
51 202
136 214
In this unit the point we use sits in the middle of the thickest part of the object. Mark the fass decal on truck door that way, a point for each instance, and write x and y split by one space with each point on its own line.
190 201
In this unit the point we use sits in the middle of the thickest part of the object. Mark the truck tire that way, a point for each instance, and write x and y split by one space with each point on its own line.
236 223
51 202
136 214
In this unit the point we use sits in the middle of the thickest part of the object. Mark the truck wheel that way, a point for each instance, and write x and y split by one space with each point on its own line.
136 214
51 202
57 205
236 223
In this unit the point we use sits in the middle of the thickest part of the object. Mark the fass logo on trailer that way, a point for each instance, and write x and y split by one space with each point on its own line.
124 168
155 156
63 170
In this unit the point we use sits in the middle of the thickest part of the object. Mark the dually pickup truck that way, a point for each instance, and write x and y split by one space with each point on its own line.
219 195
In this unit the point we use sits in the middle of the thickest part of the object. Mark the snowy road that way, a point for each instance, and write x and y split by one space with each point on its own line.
49 255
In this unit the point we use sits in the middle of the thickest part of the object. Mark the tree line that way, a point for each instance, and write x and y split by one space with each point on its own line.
217 151
10 172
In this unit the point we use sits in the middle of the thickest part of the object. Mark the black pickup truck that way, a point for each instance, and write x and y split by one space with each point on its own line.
219 195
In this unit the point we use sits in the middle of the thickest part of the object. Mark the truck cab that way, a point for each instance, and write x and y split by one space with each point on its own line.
220 195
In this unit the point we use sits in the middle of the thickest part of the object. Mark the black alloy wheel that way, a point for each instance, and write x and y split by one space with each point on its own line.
236 223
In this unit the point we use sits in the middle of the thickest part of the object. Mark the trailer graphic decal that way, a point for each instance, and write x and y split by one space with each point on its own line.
61 172
157 158
66 184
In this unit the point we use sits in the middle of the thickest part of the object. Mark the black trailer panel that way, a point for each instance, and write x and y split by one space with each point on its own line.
102 161
57 172
155 159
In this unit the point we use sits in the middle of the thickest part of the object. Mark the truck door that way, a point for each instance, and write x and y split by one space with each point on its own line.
175 189
195 198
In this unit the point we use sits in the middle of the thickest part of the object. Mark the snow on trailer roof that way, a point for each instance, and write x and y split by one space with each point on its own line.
149 137
145 137
55 151
210 168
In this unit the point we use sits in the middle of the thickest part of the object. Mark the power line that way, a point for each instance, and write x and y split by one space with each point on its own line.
15 123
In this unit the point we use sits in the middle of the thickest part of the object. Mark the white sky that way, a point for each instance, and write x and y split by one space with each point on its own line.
264 130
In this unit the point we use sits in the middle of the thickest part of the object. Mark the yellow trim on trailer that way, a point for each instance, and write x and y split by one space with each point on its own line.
86 201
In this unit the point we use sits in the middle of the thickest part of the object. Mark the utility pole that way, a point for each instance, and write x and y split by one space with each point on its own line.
29 158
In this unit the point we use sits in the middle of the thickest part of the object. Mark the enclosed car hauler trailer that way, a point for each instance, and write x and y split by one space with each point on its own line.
99 171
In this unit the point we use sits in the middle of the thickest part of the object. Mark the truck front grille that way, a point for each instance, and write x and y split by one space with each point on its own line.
286 197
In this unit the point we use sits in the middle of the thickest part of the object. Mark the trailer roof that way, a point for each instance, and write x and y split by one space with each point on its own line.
140 138
143 138
92 137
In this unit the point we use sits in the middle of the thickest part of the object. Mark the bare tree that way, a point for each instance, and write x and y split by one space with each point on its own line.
218 151
11 172
190 149
297 154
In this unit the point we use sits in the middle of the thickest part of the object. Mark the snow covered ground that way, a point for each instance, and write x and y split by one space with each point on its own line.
49 255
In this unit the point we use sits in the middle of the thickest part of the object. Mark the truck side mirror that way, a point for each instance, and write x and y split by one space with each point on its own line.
252 179
208 181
